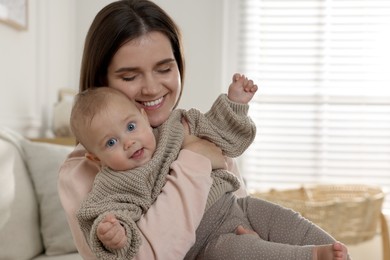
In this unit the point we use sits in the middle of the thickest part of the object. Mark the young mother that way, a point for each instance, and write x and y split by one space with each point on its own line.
135 47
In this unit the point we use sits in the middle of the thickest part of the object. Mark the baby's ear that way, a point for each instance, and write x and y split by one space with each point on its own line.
143 113
92 157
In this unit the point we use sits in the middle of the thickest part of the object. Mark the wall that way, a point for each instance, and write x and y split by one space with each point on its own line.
36 63
201 25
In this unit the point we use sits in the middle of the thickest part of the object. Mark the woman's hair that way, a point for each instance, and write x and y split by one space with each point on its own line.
117 24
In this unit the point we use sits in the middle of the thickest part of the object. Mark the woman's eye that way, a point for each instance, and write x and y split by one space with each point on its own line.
111 142
165 70
131 126
128 78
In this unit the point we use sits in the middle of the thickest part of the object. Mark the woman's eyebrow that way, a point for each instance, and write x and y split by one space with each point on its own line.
125 69
128 69
164 61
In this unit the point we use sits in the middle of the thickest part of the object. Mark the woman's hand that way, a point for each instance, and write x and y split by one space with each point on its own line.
205 148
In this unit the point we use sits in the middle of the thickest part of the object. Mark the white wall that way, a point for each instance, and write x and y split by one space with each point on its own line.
36 63
201 25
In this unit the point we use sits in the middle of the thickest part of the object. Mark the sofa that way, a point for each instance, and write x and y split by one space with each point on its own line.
32 222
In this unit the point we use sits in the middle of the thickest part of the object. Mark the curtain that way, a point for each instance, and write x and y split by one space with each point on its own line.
323 106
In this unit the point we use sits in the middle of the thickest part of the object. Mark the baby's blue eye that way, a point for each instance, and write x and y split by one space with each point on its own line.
111 142
131 126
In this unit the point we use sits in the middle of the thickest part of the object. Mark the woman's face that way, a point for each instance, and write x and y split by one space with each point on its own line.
145 70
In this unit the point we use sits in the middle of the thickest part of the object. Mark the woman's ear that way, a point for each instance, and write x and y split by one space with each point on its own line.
92 157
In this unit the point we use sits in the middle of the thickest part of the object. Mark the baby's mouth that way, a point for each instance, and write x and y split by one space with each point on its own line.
138 154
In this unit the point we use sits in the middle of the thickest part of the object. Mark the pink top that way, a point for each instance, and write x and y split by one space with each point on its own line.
188 184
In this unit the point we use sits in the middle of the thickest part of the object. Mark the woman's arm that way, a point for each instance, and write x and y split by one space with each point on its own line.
75 180
181 202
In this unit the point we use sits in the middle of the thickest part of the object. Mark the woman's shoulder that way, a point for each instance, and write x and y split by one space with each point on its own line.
75 159
77 172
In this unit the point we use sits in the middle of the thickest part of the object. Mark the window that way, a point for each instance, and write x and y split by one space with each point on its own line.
323 107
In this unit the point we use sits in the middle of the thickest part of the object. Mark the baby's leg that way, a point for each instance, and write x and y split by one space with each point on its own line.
336 251
237 247
278 224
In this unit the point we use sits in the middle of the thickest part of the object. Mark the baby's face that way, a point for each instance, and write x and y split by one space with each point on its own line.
120 136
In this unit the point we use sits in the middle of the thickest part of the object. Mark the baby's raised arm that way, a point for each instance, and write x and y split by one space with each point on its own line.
242 89
203 147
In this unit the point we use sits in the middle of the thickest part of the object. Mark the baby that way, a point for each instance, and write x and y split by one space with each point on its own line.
135 161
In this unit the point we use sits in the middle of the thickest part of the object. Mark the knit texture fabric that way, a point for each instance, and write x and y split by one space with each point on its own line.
128 194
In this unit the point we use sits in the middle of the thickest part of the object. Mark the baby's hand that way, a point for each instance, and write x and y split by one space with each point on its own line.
242 89
111 233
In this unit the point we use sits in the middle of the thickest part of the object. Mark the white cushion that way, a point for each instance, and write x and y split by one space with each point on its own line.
20 236
7 184
43 161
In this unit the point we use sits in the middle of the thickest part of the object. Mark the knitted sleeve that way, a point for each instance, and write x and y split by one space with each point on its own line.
110 194
226 124
132 233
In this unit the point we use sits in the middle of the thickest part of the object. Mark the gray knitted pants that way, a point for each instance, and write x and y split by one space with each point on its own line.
284 234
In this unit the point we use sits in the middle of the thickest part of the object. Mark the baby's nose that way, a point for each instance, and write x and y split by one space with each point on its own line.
128 144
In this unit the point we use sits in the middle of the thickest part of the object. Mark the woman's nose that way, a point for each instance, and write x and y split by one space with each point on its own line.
151 86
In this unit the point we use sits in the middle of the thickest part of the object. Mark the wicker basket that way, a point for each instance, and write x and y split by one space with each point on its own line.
350 213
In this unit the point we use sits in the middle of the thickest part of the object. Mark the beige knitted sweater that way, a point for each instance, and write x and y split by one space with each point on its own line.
128 194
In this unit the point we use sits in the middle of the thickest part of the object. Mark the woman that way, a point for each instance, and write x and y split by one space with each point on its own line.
135 47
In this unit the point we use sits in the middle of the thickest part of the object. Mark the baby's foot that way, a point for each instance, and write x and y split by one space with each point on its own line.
336 251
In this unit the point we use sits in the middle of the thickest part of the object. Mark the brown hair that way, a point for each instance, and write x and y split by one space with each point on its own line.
118 23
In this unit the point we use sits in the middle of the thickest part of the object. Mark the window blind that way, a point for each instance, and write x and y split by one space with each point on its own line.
323 107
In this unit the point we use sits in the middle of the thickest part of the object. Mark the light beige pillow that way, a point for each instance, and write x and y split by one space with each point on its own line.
43 161
20 235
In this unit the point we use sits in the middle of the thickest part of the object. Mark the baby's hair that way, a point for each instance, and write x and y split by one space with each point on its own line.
86 105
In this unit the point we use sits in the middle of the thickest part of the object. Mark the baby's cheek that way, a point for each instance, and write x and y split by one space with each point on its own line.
113 160
120 162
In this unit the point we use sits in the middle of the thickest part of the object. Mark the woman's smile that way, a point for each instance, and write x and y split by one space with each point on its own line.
152 104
